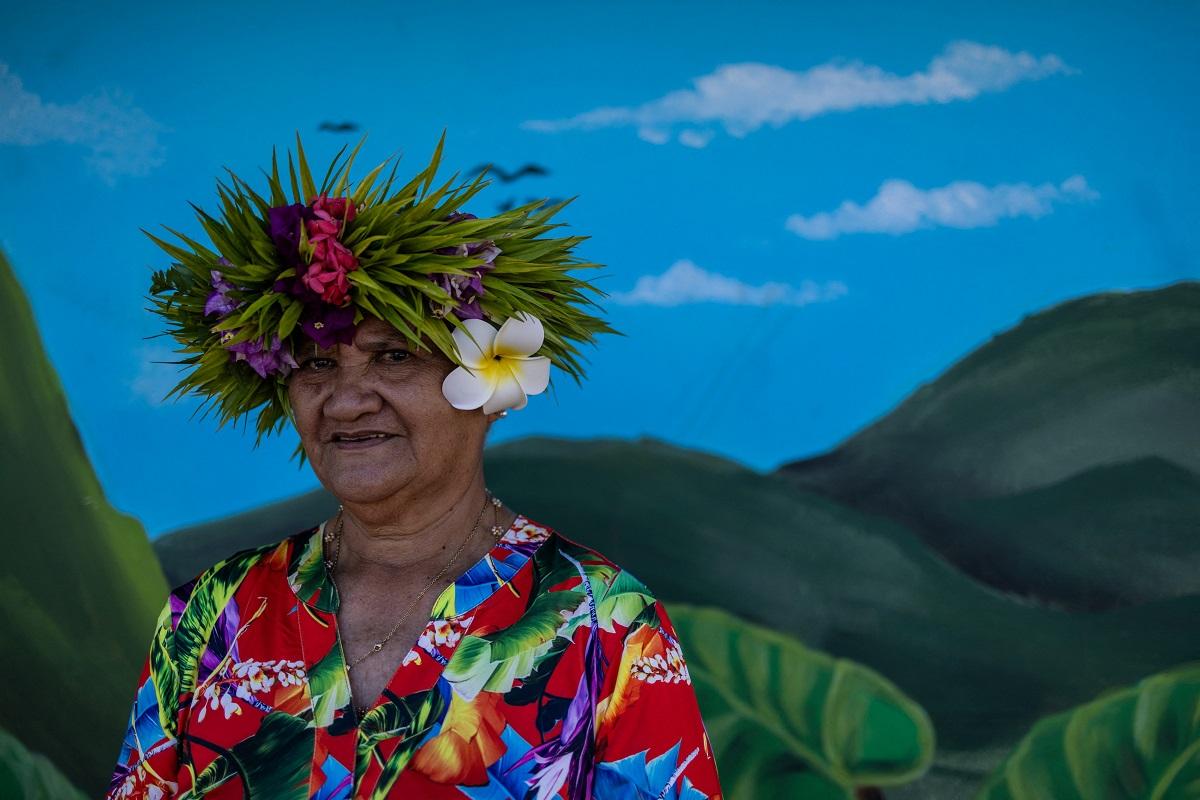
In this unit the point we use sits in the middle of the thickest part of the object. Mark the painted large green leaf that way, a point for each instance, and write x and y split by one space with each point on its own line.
1141 741
787 721
31 775
79 579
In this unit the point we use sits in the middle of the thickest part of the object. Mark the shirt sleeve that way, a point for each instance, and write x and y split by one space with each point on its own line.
149 759
650 740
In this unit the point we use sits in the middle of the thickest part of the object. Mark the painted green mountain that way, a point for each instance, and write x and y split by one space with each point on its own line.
700 529
79 582
1061 460
1150 502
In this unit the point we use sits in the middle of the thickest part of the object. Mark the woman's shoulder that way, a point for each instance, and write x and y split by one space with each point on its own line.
231 570
587 559
603 590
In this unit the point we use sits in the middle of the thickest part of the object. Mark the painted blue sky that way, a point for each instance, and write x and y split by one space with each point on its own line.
805 211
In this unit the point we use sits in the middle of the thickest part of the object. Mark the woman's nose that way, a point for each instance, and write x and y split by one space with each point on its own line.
352 393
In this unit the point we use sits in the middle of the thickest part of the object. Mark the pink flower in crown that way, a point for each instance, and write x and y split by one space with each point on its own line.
340 209
325 274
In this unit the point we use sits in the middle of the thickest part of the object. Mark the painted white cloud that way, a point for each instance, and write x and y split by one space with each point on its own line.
690 137
899 207
744 97
121 138
684 283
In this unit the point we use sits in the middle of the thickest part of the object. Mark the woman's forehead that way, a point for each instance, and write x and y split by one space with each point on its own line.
373 334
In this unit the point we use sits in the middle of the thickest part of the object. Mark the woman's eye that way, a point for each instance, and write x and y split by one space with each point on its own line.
320 364
315 364
394 356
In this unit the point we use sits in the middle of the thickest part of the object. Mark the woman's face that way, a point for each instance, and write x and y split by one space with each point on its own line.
377 385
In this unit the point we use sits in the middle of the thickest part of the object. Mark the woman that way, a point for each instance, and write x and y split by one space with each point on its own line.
427 641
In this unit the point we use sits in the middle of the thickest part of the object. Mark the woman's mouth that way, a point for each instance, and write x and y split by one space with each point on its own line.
360 442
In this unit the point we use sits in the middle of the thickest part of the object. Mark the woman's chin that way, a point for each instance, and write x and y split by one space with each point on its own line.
369 490
362 477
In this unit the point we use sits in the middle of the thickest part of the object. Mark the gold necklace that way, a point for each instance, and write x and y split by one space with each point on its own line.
331 567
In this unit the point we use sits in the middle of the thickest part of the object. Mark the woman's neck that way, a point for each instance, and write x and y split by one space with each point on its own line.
382 550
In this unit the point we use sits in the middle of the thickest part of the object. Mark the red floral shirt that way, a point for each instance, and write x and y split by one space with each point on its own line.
545 671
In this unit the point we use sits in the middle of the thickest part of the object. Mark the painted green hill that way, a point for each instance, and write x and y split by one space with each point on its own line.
80 582
1098 394
1150 501
700 529
187 551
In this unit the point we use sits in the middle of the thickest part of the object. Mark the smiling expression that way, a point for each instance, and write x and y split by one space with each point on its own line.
373 420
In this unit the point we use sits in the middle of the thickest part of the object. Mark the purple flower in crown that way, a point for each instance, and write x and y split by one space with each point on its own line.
219 302
285 231
262 359
328 325
465 290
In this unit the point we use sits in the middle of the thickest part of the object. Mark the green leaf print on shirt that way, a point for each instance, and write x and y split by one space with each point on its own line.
274 763
328 687
413 718
210 596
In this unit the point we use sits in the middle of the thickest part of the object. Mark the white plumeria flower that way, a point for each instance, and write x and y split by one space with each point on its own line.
501 370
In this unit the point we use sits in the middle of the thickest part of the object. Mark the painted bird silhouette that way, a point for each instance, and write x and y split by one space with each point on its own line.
338 127
509 177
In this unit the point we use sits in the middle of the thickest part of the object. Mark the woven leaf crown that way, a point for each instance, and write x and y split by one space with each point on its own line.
400 239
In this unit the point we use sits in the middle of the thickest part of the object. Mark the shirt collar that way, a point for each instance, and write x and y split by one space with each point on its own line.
310 582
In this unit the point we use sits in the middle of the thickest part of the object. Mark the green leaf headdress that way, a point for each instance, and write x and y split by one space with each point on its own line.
289 270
